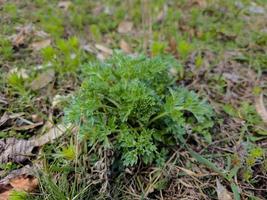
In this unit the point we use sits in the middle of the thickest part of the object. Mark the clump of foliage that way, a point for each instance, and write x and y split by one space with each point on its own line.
65 56
247 112
6 49
254 157
134 105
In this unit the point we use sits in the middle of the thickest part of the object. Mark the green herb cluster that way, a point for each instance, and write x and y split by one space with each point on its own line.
133 105
65 56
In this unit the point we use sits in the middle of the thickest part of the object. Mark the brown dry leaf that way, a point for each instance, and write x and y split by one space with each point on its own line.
42 80
222 193
27 127
41 34
260 108
125 47
20 150
5 195
125 27
24 33
64 5
104 51
26 170
19 180
19 40
172 47
52 134
16 150
7 117
24 183
40 44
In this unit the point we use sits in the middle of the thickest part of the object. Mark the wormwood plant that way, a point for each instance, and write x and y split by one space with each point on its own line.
134 106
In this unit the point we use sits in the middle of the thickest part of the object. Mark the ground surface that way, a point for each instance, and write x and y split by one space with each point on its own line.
222 46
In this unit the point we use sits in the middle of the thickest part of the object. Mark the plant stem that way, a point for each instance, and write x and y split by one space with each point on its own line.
158 117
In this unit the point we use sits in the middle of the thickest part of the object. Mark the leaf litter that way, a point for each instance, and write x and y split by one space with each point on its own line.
19 151
43 80
21 180
125 27
38 45
125 47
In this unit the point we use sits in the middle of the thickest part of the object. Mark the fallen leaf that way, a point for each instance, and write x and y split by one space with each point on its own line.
5 195
64 5
88 48
27 127
40 44
104 51
24 183
125 47
19 180
52 134
16 150
222 193
25 170
24 32
260 108
42 80
125 27
6 117
20 150
41 34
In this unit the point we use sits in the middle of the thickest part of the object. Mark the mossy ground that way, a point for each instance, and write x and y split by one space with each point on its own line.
222 48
